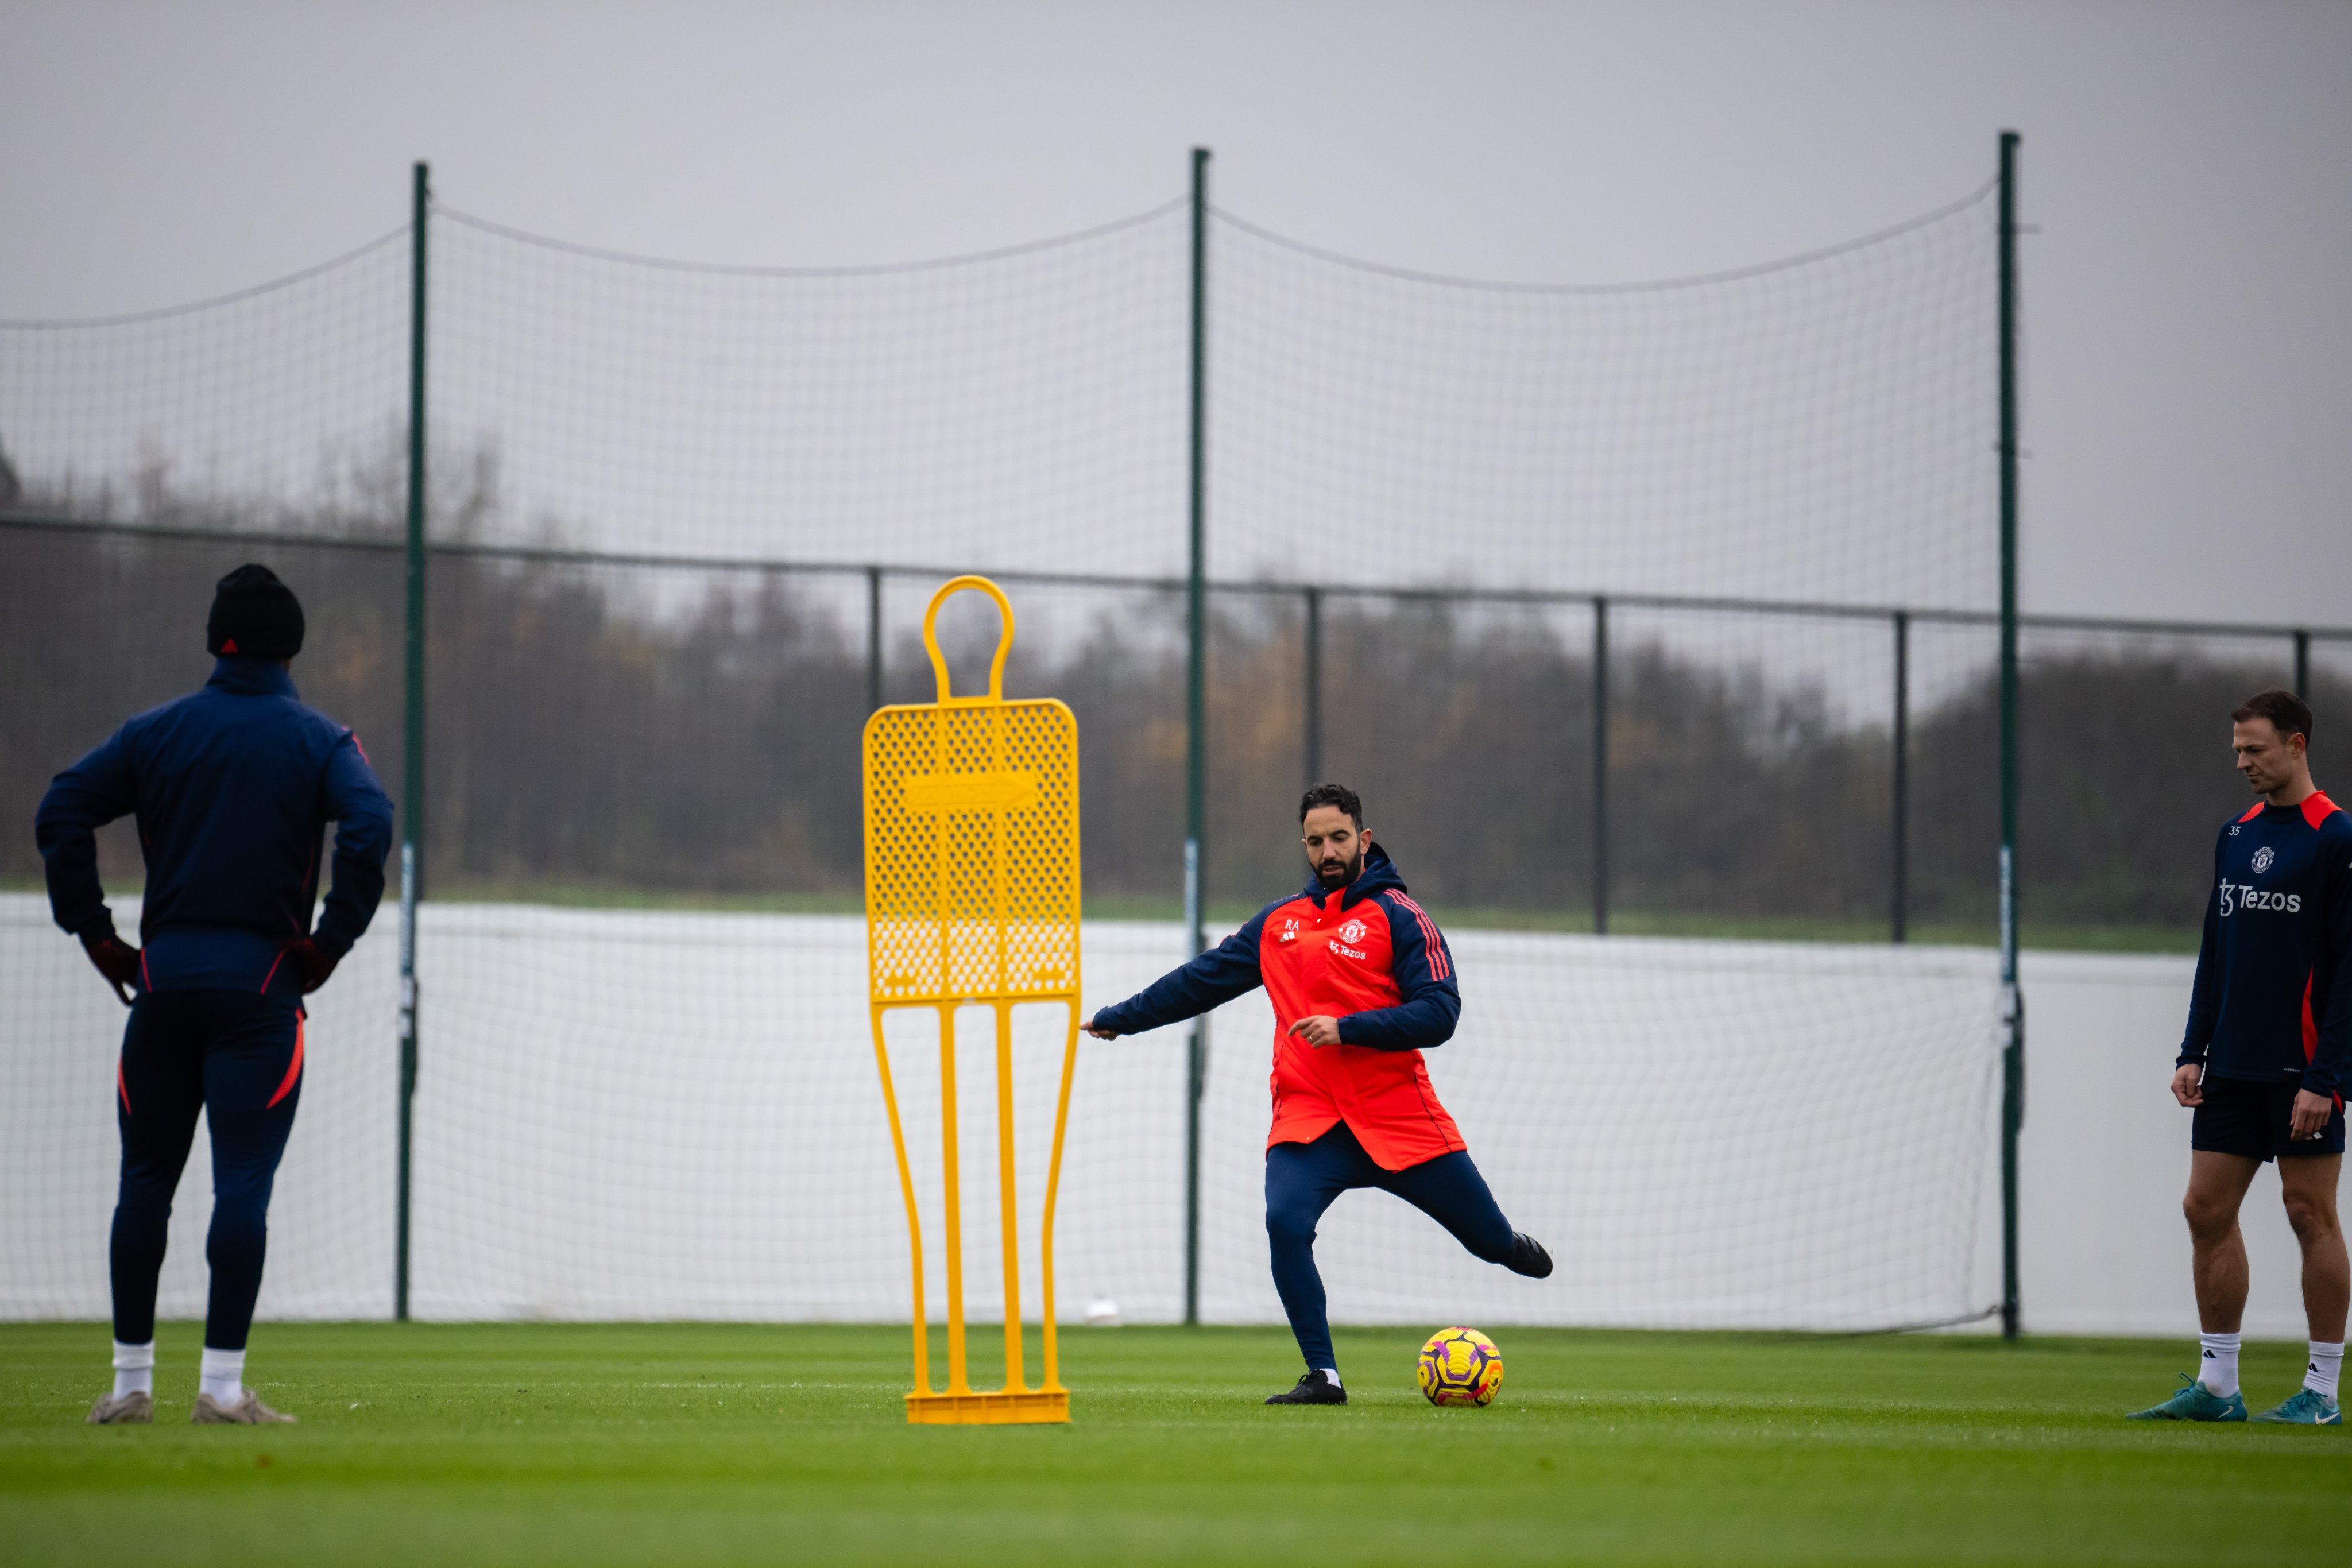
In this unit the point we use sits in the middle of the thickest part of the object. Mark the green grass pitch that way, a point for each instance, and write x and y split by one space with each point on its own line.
653 1442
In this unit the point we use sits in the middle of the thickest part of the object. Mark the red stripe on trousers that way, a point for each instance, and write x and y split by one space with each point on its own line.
293 1068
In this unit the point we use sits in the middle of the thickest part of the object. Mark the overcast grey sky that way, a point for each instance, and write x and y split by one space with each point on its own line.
2189 413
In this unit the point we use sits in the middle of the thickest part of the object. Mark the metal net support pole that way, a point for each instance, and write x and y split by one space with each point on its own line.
411 787
1195 724
2012 1005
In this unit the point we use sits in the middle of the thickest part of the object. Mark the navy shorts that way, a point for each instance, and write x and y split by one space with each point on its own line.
2251 1118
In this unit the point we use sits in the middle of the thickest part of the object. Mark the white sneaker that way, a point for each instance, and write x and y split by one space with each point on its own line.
132 1409
248 1411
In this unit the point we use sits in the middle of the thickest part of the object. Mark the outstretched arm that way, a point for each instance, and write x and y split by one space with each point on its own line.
1225 971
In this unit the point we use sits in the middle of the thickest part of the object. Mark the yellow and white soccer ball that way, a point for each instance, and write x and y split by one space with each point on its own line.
1460 1366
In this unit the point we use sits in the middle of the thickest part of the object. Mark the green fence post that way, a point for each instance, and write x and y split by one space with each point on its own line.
1599 766
873 639
1314 683
2013 1004
1902 779
412 785
1196 726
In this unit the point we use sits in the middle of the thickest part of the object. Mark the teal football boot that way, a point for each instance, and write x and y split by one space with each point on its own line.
2195 1403
2308 1407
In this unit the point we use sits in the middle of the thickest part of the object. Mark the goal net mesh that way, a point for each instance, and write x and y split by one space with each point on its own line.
1591 593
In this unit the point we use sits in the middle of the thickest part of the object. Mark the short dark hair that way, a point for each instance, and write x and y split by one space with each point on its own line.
1338 795
2288 714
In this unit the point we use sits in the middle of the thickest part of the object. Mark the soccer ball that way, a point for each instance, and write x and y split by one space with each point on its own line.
1460 1366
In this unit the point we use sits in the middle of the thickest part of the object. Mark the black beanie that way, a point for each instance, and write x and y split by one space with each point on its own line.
255 616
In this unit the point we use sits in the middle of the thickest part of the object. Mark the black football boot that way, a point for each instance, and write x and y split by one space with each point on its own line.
1529 1257
1314 1388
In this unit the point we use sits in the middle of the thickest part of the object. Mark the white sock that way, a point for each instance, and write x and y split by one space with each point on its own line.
134 1369
2217 1368
223 1377
1333 1373
2327 1364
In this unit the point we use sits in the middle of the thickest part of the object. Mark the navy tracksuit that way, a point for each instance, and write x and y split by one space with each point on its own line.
1302 1180
232 787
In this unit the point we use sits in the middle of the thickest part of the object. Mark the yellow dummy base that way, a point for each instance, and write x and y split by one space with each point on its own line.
999 1408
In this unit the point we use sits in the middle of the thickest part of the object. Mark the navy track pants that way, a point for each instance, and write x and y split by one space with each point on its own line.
238 1058
1302 1180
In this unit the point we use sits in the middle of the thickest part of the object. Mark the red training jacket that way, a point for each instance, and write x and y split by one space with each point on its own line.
1367 955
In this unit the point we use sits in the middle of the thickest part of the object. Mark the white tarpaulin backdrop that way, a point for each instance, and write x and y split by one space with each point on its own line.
647 1115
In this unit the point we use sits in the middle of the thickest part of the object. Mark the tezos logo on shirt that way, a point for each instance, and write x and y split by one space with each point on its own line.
2255 898
2262 859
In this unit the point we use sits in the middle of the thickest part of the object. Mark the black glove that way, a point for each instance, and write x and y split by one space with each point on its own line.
311 967
117 960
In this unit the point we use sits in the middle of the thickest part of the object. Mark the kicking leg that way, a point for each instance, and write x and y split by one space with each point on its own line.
158 1089
1301 1180
253 1078
1450 1190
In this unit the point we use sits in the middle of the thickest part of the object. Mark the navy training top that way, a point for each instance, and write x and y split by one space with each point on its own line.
2273 1002
233 786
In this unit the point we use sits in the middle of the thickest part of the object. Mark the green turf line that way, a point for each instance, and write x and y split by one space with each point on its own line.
584 1445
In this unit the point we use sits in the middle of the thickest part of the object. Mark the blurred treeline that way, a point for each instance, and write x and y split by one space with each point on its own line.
606 732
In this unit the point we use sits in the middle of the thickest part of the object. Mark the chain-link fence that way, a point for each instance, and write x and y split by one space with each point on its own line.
608 729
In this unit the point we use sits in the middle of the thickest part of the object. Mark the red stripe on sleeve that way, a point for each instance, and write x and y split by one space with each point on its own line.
2310 1027
1439 967
1444 964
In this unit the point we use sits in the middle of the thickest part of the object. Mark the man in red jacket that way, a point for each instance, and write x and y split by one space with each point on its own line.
1362 985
